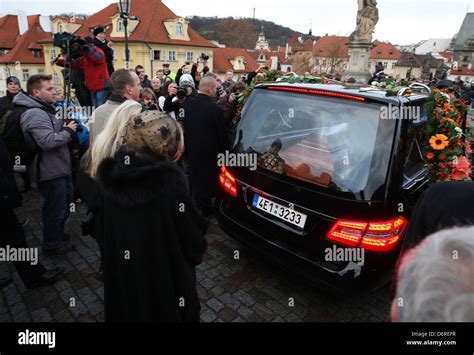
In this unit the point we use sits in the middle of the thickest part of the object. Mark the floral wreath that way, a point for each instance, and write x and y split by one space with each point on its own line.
447 147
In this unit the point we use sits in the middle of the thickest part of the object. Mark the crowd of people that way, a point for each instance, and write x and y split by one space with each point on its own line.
145 165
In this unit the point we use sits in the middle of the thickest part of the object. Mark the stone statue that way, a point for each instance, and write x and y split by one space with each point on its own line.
426 69
367 18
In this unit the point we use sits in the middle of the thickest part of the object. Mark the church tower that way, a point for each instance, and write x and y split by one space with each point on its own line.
262 43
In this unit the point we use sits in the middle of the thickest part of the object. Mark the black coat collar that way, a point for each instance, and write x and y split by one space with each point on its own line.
130 181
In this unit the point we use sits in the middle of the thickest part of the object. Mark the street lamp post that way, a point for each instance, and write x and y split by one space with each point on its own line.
124 7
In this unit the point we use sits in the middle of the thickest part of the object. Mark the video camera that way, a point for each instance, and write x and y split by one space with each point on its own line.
204 57
71 45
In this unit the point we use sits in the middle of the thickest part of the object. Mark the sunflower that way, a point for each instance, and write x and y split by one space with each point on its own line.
439 142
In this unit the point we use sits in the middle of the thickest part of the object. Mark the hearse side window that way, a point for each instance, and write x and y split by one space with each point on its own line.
330 142
415 163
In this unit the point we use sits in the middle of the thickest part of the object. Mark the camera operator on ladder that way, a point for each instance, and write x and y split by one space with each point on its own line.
93 62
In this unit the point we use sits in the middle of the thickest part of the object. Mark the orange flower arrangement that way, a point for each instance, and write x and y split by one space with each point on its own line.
446 147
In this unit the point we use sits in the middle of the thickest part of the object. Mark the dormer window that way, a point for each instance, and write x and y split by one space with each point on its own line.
37 53
120 27
179 29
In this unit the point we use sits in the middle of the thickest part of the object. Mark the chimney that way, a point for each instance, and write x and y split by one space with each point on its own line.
45 23
22 22
274 63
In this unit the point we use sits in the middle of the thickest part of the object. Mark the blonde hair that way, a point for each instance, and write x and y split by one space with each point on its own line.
108 142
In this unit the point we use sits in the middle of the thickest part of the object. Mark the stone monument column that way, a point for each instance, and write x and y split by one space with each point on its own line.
361 42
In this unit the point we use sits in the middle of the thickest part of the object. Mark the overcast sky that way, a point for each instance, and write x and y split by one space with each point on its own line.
401 21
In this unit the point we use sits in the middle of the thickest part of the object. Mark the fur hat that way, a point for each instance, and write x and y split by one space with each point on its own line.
98 30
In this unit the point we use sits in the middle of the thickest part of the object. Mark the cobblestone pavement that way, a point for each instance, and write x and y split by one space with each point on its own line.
244 290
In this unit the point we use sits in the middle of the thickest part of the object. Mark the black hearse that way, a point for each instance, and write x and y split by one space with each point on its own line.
339 170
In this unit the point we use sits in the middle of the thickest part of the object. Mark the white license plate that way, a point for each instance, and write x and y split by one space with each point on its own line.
279 211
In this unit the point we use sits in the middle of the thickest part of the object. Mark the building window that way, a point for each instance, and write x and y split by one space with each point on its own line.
55 78
6 72
190 57
120 27
41 71
393 65
179 29
385 65
53 53
2 52
172 56
157 55
26 74
60 28
37 53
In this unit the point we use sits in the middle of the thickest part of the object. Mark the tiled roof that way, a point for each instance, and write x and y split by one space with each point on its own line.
22 51
255 54
408 59
8 31
462 71
384 50
223 56
151 29
447 55
332 47
77 20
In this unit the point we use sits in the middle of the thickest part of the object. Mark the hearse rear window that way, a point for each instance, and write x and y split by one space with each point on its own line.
335 143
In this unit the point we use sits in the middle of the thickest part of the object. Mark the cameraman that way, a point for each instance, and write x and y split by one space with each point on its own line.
230 103
184 92
106 46
51 167
96 74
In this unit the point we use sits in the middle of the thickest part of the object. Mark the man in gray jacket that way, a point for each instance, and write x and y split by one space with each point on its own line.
51 168
125 85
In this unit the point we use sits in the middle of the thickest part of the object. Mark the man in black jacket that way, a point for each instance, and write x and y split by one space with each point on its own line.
205 137
6 102
6 108
31 272
102 43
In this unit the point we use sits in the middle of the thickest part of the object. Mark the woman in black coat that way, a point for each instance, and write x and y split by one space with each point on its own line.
153 236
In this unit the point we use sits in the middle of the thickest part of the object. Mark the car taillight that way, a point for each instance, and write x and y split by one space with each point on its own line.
373 236
227 181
